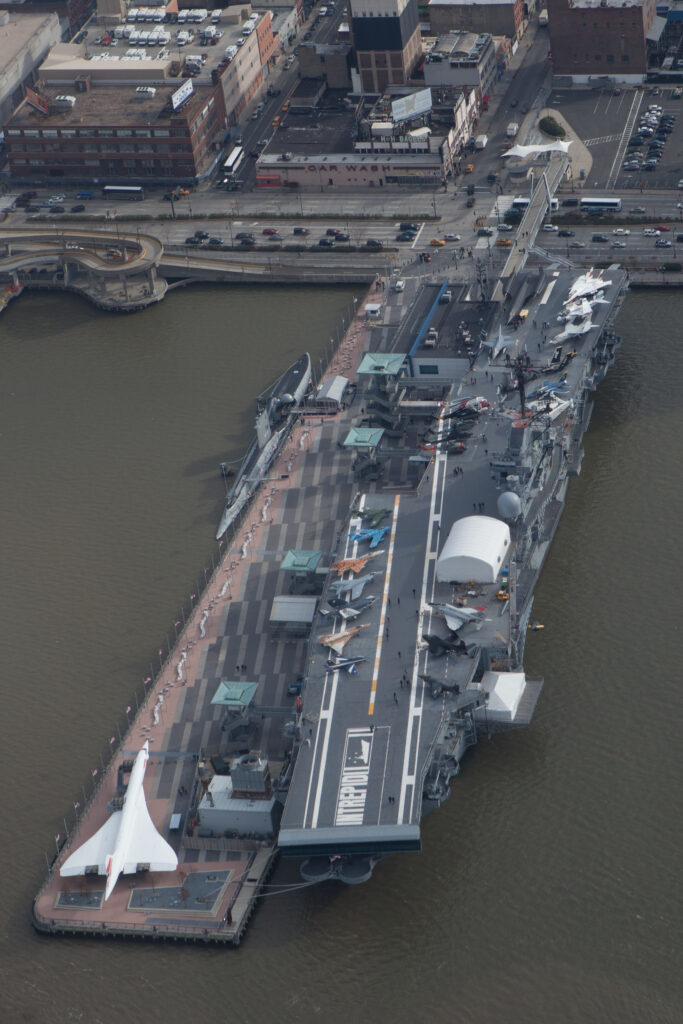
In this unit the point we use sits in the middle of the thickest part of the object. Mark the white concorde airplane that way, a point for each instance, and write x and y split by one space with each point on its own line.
126 839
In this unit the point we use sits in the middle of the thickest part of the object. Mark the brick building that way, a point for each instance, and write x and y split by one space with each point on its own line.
116 133
499 17
386 40
73 12
597 38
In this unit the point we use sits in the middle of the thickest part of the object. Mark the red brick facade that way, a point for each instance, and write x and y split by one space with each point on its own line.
599 40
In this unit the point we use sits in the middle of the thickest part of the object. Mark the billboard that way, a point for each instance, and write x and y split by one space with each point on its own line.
415 105
37 101
183 93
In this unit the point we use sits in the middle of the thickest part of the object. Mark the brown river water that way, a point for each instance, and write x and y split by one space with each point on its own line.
548 889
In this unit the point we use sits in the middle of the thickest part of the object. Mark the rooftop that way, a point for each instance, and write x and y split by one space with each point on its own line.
468 3
19 31
611 4
313 135
460 46
110 104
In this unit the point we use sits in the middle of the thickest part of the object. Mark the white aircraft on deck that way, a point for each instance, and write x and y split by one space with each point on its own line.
585 285
456 617
353 587
126 839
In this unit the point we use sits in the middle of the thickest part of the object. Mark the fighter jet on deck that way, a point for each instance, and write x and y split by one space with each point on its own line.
338 641
352 609
126 839
374 534
349 665
354 564
438 647
456 617
373 516
352 587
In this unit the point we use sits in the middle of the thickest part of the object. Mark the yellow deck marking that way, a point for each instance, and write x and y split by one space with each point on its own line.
383 612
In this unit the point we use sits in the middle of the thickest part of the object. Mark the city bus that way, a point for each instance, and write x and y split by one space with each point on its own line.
602 205
521 202
123 192
233 162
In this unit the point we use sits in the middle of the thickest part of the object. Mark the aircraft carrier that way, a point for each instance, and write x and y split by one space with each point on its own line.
367 623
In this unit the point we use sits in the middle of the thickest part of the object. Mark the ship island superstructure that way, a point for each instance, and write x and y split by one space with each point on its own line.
324 696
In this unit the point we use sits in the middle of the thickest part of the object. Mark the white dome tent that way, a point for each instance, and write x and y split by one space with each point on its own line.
475 549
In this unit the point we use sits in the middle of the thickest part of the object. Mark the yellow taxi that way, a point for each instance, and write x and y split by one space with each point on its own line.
275 122
504 243
437 241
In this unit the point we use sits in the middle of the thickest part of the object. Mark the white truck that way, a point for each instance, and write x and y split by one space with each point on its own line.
480 141
512 129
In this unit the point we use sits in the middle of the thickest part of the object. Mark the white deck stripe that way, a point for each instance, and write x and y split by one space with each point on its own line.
417 692
333 678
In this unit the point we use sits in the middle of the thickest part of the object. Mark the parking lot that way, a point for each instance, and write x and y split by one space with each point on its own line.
605 122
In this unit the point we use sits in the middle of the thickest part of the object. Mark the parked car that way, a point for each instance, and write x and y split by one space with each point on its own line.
373 243
301 231
78 208
270 231
326 242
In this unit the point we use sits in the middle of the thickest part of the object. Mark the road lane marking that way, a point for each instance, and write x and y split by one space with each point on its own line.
621 148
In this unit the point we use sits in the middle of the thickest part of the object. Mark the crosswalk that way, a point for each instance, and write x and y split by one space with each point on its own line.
600 139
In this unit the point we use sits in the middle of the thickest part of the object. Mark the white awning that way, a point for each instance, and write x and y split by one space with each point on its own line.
476 549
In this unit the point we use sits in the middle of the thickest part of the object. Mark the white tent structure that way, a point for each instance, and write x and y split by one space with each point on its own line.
549 147
475 549
505 691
